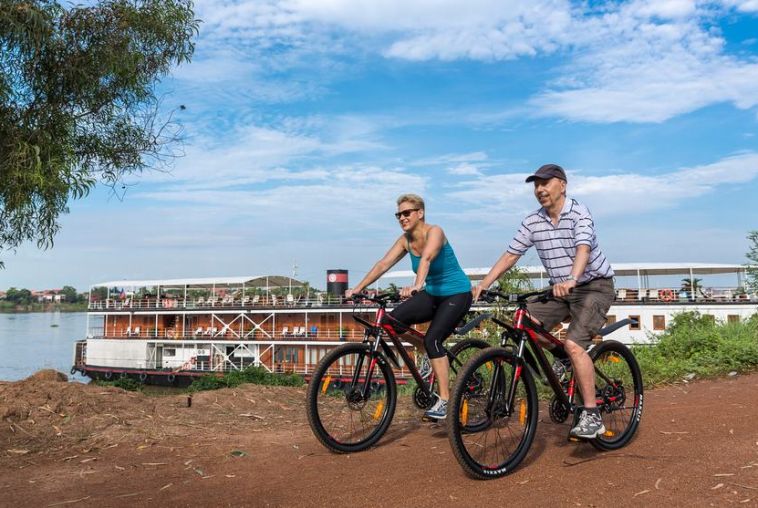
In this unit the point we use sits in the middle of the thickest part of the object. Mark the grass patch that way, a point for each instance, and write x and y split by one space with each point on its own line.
696 344
252 375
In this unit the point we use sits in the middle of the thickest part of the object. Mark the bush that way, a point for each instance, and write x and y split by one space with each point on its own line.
252 375
696 344
125 383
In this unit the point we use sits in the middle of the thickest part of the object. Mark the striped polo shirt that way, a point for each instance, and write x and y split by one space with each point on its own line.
556 245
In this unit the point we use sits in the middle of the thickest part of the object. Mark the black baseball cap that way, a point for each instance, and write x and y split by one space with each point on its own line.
548 171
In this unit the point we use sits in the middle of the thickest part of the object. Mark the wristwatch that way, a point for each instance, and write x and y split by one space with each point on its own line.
570 277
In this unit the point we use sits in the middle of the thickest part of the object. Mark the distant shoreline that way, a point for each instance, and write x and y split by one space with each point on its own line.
41 307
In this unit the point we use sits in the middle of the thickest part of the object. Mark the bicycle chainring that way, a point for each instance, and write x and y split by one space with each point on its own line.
421 400
559 413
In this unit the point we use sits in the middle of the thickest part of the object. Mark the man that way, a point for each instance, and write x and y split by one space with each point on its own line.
563 233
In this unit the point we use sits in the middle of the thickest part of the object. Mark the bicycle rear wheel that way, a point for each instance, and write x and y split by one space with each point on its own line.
488 438
341 415
618 389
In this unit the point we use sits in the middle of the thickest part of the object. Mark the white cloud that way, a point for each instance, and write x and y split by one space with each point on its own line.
506 195
465 169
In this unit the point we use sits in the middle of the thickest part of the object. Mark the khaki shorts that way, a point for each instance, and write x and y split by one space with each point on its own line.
587 306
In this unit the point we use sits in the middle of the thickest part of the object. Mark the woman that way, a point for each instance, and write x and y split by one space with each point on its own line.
445 299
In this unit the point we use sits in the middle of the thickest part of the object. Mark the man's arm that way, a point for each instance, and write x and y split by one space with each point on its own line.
502 265
577 269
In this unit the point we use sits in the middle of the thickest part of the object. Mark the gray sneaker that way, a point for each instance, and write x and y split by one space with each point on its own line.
438 411
590 426
424 366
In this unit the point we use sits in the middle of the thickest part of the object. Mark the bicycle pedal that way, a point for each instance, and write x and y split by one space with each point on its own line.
573 439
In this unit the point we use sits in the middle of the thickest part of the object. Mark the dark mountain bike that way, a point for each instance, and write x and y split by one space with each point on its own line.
352 394
492 413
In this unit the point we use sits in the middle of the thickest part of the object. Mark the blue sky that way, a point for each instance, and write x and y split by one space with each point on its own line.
305 119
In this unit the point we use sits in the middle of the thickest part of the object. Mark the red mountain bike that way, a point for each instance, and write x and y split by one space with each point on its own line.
492 413
352 395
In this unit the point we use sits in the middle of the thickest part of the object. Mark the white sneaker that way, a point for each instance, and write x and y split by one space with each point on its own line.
438 411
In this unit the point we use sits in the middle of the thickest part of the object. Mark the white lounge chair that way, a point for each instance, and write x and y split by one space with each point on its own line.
198 331
136 331
256 299
285 331
273 299
621 294
652 294
128 331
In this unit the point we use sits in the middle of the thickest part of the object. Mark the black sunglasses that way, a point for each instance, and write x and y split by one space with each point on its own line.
406 213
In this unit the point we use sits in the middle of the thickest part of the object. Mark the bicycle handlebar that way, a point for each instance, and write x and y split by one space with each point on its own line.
380 298
490 295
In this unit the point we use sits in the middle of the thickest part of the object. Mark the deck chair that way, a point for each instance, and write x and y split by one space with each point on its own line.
285 331
200 301
273 299
642 294
245 300
136 331
621 294
128 331
199 331
652 294
256 299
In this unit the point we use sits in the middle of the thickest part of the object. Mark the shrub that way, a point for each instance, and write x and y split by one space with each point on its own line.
252 375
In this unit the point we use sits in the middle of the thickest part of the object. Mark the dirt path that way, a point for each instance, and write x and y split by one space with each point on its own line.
698 446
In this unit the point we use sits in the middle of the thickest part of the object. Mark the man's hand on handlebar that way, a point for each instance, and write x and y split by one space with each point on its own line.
562 289
476 291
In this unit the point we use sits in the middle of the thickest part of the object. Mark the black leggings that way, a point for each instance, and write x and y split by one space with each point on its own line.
444 312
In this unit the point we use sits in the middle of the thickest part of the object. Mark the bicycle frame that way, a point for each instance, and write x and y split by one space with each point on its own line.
373 337
525 331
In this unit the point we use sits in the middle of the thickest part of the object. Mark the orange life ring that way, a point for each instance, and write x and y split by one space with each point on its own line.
666 295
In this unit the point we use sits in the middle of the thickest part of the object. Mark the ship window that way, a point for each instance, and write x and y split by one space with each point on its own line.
659 322
610 319
169 352
733 318
634 326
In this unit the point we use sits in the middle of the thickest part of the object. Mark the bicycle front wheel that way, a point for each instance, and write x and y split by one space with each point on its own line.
489 435
618 390
350 403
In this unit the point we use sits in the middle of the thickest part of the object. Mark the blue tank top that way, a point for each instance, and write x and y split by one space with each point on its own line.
445 275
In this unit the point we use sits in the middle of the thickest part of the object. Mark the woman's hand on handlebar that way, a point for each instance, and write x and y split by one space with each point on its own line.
409 291
350 292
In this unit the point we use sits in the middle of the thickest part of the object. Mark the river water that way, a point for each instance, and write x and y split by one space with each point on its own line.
39 340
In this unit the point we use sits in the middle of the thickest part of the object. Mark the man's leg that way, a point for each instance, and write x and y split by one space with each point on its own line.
588 305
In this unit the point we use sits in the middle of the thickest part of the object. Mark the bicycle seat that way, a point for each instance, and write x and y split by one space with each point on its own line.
615 326
463 330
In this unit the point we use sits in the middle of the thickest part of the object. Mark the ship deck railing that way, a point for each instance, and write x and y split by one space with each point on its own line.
662 295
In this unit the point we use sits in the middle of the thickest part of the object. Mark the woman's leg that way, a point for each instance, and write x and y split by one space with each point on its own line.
417 309
450 311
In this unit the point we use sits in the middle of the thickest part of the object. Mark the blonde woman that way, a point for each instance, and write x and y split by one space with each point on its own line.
441 292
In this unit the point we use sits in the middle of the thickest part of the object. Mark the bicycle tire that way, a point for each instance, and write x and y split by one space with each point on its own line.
620 419
470 446
331 389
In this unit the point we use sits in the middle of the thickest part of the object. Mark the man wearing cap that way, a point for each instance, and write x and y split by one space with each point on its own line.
563 233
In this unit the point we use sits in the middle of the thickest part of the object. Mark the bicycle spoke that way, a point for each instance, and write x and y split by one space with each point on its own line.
492 440
344 414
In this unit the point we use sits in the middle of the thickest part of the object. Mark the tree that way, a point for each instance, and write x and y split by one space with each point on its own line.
752 255
78 102
515 281
69 294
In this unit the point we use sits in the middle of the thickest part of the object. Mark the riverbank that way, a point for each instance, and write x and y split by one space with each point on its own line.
66 443
11 308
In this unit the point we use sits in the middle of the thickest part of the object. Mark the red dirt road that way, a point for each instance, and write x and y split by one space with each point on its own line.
697 446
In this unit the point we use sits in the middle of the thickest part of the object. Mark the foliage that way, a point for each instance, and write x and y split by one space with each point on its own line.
697 344
692 286
253 375
515 281
125 383
752 255
78 103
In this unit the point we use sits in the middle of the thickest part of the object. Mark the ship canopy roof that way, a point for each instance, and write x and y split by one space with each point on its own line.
257 281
